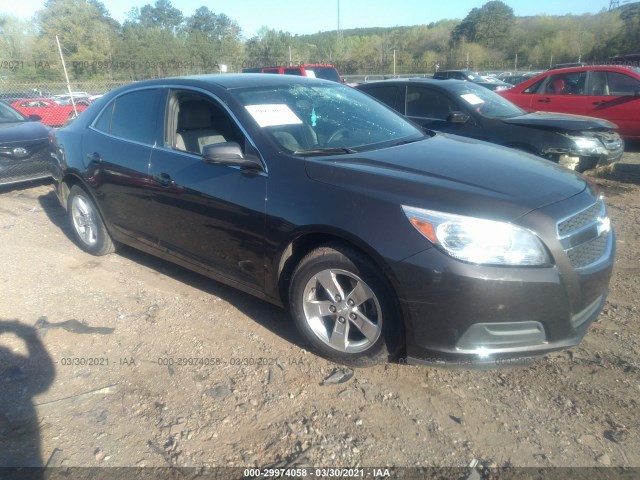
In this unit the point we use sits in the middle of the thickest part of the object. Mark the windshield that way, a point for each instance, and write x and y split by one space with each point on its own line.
325 117
485 102
8 114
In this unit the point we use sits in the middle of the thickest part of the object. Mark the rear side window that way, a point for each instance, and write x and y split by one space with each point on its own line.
386 95
621 84
326 73
293 71
132 116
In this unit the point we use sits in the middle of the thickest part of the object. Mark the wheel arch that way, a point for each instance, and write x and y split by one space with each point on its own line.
308 241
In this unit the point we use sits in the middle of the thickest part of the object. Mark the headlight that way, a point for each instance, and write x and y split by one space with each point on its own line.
477 240
587 144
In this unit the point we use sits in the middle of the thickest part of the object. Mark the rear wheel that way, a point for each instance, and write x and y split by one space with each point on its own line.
88 227
343 307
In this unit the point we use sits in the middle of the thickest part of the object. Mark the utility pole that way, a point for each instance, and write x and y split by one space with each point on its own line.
339 31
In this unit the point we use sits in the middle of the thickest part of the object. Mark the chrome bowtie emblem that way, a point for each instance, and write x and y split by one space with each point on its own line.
20 152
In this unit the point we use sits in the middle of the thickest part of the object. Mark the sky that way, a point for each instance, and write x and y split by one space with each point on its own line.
312 16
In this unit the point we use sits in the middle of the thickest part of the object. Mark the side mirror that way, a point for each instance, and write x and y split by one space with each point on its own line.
457 117
229 153
35 118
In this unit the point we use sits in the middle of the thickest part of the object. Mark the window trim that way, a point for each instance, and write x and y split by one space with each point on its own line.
221 104
111 102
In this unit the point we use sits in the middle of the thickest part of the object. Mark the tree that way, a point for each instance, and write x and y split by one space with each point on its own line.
488 26
212 38
162 15
85 31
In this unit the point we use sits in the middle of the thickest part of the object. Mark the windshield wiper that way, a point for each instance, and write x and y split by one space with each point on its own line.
405 142
325 151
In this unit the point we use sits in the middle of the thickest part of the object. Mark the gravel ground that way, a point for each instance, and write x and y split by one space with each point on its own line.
126 360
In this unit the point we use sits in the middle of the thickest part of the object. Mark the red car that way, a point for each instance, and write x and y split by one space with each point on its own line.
611 92
51 113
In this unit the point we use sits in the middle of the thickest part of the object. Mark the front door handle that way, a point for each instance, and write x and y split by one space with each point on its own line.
545 100
94 157
165 180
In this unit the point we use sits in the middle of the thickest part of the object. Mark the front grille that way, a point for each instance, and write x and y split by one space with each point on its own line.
588 252
35 166
583 237
580 220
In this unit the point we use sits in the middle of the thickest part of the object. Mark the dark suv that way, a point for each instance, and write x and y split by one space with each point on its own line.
467 109
469 76
380 239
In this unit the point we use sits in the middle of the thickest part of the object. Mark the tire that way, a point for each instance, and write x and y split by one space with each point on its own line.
343 307
88 228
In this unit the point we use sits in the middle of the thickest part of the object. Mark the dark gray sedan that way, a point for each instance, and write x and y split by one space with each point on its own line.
382 240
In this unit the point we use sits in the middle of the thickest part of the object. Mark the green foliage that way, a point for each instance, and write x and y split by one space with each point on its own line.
488 26
159 40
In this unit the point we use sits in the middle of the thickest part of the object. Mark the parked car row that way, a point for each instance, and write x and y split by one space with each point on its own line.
492 83
381 238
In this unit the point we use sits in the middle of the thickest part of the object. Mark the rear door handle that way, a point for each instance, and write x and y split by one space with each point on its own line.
601 102
545 100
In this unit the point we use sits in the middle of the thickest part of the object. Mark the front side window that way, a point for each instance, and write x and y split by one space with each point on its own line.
565 84
428 103
132 116
195 120
324 118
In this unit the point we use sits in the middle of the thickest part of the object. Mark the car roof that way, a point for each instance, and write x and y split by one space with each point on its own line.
227 81
619 68
34 99
416 80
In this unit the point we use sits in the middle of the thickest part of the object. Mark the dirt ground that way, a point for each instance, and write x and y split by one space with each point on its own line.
126 360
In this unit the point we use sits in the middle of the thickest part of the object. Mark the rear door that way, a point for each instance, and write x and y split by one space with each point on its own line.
613 96
116 150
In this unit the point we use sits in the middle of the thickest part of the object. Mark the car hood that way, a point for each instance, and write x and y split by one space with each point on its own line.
560 121
452 174
19 133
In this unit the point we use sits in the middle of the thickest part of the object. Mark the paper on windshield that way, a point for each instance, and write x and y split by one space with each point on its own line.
270 115
472 98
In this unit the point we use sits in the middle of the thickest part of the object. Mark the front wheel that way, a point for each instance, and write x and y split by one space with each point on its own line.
88 227
343 307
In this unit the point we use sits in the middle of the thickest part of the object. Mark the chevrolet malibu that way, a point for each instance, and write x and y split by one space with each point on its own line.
383 241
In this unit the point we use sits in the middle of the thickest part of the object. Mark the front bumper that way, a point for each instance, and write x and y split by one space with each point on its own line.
459 314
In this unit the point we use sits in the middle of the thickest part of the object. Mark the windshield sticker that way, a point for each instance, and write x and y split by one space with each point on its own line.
472 98
273 114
